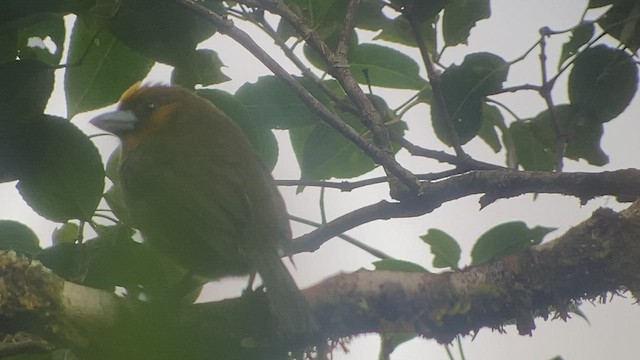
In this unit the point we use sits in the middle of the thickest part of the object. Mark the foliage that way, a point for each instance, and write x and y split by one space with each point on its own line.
115 43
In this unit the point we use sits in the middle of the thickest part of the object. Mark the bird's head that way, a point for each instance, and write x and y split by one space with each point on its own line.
143 111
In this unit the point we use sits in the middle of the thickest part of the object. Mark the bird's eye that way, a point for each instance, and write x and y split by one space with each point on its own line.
150 106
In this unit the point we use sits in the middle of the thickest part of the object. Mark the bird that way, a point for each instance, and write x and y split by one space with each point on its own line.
199 194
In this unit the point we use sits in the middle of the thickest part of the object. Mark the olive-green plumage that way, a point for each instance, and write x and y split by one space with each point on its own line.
198 193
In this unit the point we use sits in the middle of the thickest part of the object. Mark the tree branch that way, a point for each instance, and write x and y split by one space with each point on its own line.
494 184
339 69
380 156
600 255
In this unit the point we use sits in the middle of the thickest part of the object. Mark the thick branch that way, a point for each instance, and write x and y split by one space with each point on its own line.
598 256
494 184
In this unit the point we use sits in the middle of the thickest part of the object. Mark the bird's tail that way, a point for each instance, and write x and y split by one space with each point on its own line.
289 308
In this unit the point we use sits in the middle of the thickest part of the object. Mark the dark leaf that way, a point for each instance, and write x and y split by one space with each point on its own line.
602 83
460 16
579 36
530 153
271 102
205 70
64 178
30 39
386 67
163 30
506 239
19 238
398 265
622 22
463 87
106 72
491 119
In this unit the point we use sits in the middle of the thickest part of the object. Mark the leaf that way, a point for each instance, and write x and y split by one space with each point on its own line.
271 102
205 70
66 233
580 35
390 341
25 89
535 140
460 16
622 21
387 67
164 31
602 83
258 133
445 249
113 259
506 239
107 71
323 153
64 178
463 87
399 31
43 26
491 119
19 238
398 265
420 10
530 153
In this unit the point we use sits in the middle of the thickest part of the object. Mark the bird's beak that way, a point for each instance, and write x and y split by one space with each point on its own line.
116 122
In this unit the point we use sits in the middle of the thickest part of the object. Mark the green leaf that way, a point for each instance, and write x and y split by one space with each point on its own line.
387 67
580 35
602 83
460 16
491 119
113 259
164 31
258 133
530 153
46 25
19 238
535 139
506 239
399 31
271 102
324 153
622 21
398 265
463 87
25 89
66 233
445 249
206 70
320 14
389 341
370 16
107 71
420 10
64 178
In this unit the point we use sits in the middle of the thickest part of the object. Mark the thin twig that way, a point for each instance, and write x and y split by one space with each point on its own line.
437 90
339 69
545 93
225 26
496 184
351 240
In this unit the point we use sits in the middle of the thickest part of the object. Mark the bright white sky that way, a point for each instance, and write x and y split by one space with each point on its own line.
512 29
